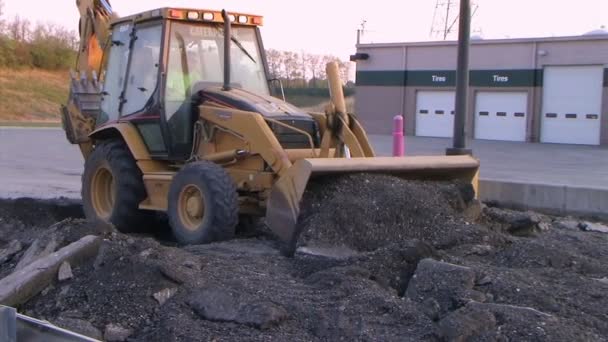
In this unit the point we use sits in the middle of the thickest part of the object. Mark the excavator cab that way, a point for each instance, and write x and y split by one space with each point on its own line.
159 65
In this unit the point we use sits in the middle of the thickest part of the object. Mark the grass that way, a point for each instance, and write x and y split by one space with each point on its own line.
32 96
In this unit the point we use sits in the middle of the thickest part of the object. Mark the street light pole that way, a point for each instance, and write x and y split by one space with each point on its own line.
459 146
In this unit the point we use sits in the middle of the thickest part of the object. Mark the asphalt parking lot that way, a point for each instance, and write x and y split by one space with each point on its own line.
40 163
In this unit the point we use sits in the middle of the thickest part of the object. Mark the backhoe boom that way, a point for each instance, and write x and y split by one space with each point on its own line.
80 113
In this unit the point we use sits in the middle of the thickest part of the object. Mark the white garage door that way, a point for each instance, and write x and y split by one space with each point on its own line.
572 105
435 113
501 116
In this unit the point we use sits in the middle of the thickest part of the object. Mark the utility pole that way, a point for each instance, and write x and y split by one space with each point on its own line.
462 82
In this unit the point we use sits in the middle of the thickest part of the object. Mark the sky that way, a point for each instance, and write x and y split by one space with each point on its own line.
329 27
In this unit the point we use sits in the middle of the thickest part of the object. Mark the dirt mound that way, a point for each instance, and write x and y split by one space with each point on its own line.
366 211
34 212
117 288
508 276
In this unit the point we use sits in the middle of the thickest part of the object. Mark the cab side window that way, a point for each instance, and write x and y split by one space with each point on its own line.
143 71
114 75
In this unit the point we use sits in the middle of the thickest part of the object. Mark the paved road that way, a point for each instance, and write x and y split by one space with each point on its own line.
40 163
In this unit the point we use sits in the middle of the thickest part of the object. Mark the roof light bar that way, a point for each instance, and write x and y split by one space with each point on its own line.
213 16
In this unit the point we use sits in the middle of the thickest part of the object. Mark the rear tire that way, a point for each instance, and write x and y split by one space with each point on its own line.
203 204
113 188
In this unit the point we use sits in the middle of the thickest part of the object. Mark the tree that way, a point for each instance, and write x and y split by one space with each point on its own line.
344 70
302 70
18 29
1 13
45 46
52 47
274 63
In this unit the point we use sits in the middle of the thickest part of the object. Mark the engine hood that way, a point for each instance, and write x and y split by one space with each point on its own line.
240 99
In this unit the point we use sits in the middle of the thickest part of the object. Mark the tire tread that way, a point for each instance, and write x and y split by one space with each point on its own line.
223 194
126 216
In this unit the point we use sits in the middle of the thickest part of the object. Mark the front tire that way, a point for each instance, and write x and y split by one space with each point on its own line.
203 204
113 188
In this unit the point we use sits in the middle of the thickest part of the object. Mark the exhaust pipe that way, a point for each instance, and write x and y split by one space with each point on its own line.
227 42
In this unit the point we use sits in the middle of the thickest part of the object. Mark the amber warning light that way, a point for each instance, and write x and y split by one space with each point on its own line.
175 14
215 16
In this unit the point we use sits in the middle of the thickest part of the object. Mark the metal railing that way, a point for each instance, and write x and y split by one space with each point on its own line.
15 327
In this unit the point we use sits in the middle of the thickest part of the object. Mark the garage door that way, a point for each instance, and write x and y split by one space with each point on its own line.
501 116
435 113
572 105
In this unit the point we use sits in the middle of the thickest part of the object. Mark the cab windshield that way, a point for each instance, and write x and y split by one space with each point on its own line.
196 60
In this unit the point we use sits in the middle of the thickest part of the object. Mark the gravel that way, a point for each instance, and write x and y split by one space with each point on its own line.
419 270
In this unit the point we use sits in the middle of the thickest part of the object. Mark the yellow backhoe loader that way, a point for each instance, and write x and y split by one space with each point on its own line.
172 111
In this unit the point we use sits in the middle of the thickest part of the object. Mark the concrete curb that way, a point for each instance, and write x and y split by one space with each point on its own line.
552 199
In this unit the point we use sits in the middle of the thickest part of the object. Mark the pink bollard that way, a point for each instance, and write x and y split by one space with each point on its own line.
398 138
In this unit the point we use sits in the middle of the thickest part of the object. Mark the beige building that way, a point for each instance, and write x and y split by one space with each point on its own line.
552 90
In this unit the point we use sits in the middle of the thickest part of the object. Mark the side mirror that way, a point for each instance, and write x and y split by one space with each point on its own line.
277 82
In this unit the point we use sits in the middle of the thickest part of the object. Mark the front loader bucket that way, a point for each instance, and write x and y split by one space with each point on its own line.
283 208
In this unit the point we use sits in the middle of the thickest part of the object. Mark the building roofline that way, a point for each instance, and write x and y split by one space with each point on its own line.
488 41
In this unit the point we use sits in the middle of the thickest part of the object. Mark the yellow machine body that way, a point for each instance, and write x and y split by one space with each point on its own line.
270 179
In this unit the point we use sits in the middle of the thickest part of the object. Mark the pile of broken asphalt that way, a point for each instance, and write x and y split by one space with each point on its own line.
415 261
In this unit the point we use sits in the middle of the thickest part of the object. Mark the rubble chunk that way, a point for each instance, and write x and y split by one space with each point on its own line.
593 227
164 295
65 272
517 223
79 326
448 284
37 250
10 250
173 273
568 224
431 308
261 315
116 333
20 286
481 250
221 305
466 323
215 304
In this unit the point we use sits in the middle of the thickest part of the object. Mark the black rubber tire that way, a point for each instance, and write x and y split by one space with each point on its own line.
130 191
220 200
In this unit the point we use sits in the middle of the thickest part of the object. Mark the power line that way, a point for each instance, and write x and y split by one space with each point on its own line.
445 18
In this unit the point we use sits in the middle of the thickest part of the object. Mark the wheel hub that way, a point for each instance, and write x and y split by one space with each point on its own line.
103 192
191 207
194 206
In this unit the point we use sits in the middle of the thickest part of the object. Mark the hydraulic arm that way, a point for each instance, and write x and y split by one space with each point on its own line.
84 101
